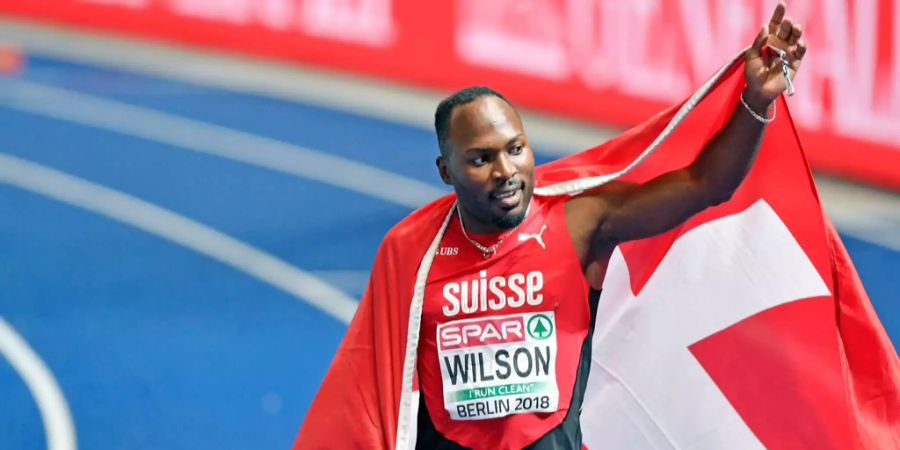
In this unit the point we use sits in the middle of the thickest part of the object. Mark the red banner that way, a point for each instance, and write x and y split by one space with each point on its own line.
608 61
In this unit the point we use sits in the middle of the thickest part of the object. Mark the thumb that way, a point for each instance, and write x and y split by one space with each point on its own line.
755 50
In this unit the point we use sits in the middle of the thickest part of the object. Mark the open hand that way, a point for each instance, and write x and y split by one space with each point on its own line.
762 69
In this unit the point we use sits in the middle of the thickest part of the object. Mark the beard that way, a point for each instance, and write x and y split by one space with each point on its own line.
509 221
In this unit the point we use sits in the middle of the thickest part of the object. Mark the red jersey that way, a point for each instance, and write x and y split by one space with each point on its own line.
501 336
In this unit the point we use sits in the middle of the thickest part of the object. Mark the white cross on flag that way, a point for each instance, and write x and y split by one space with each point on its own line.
745 327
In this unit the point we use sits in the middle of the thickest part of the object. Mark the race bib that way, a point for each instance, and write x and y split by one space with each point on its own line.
497 366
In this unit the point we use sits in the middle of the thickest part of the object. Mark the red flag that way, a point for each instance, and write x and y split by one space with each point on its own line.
745 327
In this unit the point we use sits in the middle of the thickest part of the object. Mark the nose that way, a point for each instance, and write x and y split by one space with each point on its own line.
503 168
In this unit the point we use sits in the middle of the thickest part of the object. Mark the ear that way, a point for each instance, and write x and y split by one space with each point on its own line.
443 171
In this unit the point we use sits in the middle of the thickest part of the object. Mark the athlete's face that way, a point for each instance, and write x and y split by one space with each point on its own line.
489 164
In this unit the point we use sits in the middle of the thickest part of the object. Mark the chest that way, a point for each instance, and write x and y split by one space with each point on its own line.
501 336
536 268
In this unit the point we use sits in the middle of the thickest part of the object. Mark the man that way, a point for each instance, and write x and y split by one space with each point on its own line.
744 326
507 253
501 355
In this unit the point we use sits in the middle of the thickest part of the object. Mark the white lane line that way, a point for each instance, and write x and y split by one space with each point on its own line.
198 136
863 213
178 229
351 280
52 404
367 96
858 211
551 134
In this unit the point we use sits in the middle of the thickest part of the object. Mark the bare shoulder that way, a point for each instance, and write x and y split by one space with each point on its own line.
588 207
587 210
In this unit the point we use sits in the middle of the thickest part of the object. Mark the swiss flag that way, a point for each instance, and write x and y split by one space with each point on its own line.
745 327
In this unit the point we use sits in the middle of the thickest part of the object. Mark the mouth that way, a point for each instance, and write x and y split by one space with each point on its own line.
507 198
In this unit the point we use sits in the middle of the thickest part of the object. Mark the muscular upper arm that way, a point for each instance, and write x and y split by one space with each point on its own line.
622 211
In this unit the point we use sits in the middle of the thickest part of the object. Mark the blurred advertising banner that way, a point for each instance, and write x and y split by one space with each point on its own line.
609 61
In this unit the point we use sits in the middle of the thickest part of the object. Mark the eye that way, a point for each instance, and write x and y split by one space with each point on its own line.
518 149
479 161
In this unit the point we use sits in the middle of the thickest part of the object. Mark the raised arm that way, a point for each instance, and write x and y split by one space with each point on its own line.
629 211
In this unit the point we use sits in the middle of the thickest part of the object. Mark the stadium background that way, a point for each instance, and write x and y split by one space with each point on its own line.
191 191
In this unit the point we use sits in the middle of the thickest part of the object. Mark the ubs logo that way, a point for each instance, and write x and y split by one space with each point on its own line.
448 251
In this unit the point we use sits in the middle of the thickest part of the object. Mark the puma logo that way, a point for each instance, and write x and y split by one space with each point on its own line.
537 237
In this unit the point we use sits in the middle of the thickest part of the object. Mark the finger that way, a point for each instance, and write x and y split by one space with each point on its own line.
795 34
758 42
800 50
784 31
777 17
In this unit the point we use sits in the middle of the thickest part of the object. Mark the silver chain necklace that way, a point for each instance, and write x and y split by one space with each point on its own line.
485 251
